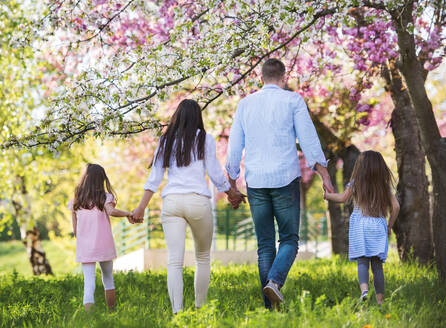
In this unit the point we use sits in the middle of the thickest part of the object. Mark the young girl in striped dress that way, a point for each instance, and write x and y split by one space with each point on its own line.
370 187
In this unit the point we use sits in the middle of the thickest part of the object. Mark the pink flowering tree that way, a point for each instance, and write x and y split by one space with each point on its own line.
373 45
121 60
371 42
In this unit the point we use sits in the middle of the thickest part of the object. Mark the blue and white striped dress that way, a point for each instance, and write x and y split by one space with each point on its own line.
367 236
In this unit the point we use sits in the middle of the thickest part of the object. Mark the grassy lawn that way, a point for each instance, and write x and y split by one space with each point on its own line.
60 254
318 293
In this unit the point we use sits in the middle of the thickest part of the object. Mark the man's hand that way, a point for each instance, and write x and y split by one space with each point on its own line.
327 185
235 197
326 181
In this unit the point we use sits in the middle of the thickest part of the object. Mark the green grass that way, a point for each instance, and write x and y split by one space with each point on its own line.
318 293
60 253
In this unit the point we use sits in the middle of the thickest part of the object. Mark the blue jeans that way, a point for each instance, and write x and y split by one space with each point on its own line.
283 204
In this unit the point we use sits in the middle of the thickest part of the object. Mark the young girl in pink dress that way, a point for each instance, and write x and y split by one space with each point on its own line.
91 208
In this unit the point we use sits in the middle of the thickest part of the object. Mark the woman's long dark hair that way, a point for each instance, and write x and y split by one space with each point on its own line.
90 191
372 181
180 139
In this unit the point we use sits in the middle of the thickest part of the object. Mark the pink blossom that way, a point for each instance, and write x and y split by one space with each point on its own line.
364 121
363 108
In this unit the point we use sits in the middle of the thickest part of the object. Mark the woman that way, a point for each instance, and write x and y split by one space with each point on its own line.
188 152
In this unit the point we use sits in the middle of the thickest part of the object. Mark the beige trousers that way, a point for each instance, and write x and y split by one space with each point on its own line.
178 211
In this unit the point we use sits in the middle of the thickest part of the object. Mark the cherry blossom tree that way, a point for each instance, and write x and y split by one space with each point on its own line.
122 60
372 44
141 52
418 44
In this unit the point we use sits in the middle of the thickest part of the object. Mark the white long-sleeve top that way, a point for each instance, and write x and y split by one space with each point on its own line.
191 178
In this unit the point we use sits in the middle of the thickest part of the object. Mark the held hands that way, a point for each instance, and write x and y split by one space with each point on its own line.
235 197
326 181
327 185
137 216
130 218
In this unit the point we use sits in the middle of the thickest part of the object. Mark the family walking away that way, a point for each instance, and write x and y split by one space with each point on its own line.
266 126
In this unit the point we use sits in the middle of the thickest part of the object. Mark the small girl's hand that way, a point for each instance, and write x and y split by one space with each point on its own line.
131 219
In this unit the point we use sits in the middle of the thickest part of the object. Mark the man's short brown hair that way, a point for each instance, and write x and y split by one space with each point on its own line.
273 70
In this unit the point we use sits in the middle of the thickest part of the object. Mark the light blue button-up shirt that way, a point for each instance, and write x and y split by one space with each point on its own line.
267 124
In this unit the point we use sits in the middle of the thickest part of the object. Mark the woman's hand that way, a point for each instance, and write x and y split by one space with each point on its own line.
235 197
130 218
138 215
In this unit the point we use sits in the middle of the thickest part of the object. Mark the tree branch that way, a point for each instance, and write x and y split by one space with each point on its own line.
102 27
243 76
375 5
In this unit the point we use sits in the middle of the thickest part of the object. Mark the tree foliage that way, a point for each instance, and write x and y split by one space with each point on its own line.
33 185
119 61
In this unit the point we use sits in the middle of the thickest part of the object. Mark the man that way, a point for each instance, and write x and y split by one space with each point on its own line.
267 124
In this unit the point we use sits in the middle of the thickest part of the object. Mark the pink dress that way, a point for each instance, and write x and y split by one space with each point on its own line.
94 238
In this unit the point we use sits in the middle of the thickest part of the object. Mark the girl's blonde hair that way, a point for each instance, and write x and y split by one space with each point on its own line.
371 184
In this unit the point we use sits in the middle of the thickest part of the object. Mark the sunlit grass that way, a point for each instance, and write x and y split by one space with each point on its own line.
318 293
60 254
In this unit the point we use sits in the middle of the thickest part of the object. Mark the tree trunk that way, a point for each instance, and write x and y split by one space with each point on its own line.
413 227
348 156
433 144
304 187
335 148
30 238
338 222
36 254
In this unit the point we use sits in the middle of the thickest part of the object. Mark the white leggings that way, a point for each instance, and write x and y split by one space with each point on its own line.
90 282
